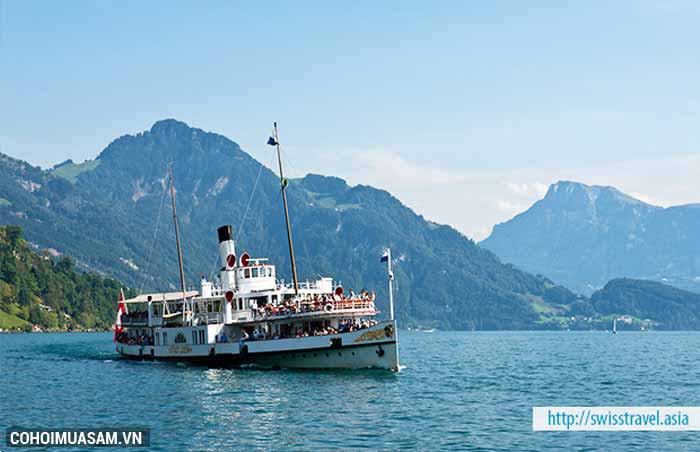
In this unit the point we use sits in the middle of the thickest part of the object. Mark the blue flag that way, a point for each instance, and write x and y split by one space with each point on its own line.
271 141
385 257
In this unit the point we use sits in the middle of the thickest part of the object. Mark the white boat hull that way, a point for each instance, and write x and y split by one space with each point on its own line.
375 347
374 356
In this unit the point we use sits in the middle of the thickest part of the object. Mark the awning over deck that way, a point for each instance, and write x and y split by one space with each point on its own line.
159 297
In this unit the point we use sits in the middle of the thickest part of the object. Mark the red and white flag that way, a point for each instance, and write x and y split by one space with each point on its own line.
121 309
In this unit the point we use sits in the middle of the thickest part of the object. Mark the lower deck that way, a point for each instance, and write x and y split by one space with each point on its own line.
372 347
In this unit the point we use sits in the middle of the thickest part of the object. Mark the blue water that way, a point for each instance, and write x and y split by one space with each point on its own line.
459 391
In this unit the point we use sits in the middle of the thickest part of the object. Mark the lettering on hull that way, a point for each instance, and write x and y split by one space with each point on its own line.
180 349
386 333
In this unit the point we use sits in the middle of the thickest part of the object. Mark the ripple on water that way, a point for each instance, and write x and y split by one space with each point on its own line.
455 391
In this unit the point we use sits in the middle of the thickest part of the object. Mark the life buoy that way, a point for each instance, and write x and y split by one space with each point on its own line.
328 307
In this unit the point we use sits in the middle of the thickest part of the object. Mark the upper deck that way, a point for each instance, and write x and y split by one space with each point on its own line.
314 301
246 290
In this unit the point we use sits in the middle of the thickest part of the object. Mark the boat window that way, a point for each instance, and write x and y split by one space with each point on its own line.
165 338
255 272
247 273
194 338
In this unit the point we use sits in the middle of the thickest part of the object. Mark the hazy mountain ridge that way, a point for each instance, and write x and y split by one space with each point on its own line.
583 236
104 212
669 307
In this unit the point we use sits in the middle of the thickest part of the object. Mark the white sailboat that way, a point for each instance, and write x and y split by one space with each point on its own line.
248 317
614 330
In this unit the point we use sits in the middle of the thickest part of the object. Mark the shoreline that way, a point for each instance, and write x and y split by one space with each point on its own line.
90 330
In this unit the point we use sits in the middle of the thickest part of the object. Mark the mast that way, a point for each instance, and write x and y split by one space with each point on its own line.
284 183
387 255
177 239
391 285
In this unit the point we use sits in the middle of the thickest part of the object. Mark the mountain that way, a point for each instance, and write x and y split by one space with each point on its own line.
669 307
583 236
47 292
111 215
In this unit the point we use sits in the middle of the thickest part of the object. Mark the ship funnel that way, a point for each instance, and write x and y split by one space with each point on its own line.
227 252
225 233
227 249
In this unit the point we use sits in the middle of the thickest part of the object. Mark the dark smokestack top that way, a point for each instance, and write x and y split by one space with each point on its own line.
225 233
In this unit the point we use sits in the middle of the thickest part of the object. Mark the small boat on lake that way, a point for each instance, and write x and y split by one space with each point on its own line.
249 317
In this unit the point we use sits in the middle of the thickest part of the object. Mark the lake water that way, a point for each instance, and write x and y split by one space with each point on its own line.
459 391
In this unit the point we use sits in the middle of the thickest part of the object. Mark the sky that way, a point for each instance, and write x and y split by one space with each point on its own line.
466 111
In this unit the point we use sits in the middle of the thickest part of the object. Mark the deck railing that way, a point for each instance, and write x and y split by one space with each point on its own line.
321 308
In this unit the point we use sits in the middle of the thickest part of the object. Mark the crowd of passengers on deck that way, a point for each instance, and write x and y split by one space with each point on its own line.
343 327
142 339
313 303
261 335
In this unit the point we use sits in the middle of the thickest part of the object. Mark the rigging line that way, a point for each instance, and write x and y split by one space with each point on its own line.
300 174
250 200
153 240
288 162
245 215
213 267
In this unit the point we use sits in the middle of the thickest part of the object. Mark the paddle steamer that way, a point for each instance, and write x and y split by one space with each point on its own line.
249 317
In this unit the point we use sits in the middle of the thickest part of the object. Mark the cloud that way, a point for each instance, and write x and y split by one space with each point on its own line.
508 207
473 201
533 189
